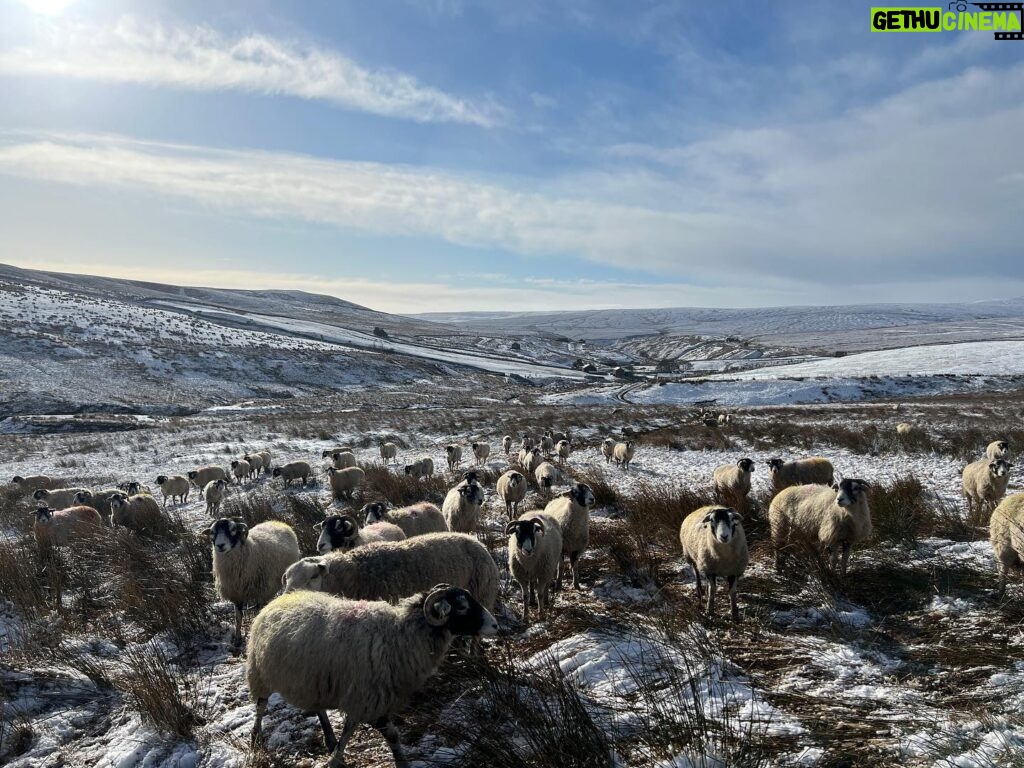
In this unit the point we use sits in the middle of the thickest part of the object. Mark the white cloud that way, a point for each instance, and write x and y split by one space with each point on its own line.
202 59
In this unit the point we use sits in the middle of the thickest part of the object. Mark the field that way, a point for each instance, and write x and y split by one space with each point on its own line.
116 653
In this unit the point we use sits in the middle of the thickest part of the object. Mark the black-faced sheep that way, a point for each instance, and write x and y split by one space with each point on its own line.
571 511
715 545
812 471
511 489
342 532
534 553
415 520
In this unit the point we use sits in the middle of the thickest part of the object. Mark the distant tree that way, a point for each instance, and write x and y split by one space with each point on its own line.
380 333
516 347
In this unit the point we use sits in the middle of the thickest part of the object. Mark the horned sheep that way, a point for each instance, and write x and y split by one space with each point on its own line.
480 452
453 453
345 481
139 513
369 658
343 460
249 563
204 475
461 508
511 488
241 469
547 476
415 520
342 532
812 471
608 449
715 545
420 469
388 452
732 481
293 470
571 511
98 500
59 498
534 553
213 494
984 483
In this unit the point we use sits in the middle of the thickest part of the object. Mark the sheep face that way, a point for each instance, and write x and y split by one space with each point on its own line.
227 534
161 479
17 479
234 463
40 494
133 487
472 493
582 495
83 497
849 492
774 465
307 573
449 450
470 477
515 479
373 512
523 534
999 468
457 611
43 515
336 532
722 523
410 469
117 500
747 465
276 473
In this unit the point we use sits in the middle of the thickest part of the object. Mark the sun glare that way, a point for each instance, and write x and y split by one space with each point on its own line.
47 7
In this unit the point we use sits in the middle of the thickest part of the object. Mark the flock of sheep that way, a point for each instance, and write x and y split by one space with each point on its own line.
363 623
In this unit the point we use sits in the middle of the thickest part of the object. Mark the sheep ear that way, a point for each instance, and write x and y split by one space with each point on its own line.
707 519
208 532
834 485
243 531
735 516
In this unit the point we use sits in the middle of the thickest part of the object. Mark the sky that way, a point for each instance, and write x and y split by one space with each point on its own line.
456 155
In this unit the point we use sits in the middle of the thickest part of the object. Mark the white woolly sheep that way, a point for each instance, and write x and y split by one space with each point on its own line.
826 517
265 456
563 449
364 659
812 471
340 449
100 501
480 452
177 487
715 545
241 469
32 482
200 477
139 513
59 498
249 563
343 460
293 470
623 453
998 449
342 532
420 469
984 484
571 511
415 520
453 453
905 429
723 419
461 508
506 444
511 489
608 449
345 481
547 445
732 481
1006 532
255 463
213 494
533 459
391 570
57 527
547 476
388 452
534 552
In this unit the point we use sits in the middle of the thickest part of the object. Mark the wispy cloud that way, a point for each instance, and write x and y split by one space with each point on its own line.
202 59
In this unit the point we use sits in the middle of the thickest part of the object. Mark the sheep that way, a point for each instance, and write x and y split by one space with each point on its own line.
345 481
481 451
249 563
984 483
176 486
563 449
559 436
339 449
534 553
825 517
388 452
998 449
420 469
547 445
533 459
714 544
138 513
293 470
608 449
134 488
571 511
200 477
32 482
454 455
58 498
213 493
812 471
241 469
343 532
527 443
265 457
512 488
547 476
364 659
56 527
415 520
461 508
623 453
1006 532
905 429
255 463
732 481
723 419
99 500
391 570
343 460
506 444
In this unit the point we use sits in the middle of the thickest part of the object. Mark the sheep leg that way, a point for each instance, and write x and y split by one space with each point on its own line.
558 573
846 557
257 726
712 589
526 602
544 600
338 753
236 639
733 581
391 735
325 725
696 582
533 594
574 562
1001 584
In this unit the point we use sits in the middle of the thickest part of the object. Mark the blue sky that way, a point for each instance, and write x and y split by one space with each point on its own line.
418 155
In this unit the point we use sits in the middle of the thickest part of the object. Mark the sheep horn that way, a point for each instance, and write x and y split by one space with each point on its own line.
435 607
